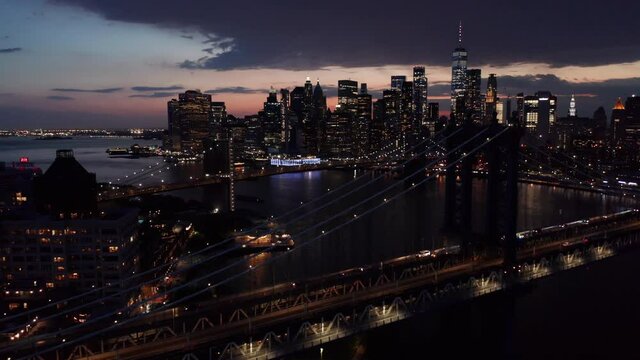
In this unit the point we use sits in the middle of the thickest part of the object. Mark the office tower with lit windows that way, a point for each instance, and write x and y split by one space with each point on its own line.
272 123
362 123
218 126
540 113
288 120
391 115
573 112
473 97
500 117
420 100
190 121
318 116
338 135
459 59
491 99
377 128
407 130
397 81
434 115
520 109
347 94
253 143
618 120
632 122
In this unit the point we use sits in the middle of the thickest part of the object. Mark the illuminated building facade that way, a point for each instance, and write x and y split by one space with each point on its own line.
397 81
420 100
406 111
618 119
459 59
632 121
540 113
40 255
272 124
219 126
473 96
573 112
362 123
66 243
491 100
347 94
190 121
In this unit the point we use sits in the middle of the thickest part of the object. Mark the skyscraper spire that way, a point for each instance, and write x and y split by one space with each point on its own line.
460 33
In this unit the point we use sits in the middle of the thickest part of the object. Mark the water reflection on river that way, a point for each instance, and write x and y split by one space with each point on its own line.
407 225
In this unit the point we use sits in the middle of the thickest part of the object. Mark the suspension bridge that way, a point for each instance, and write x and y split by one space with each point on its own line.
191 320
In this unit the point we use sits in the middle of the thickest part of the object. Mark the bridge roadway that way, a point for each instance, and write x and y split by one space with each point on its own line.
132 191
287 303
126 192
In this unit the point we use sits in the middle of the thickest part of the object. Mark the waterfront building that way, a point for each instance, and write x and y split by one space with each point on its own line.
272 122
190 121
68 245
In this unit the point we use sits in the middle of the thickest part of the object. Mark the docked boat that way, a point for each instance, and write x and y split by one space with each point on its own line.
117 151
54 137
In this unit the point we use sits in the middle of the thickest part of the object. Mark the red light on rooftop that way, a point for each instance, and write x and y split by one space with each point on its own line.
24 159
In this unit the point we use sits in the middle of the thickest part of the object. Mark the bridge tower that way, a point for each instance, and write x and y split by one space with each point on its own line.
499 163
218 160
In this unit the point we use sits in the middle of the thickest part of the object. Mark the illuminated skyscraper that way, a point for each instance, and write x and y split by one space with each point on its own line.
347 94
491 99
406 111
473 96
540 113
459 60
272 123
219 120
391 115
397 81
420 104
618 118
572 107
362 123
190 121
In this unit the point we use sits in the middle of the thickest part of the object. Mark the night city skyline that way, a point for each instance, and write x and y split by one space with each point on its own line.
112 64
304 180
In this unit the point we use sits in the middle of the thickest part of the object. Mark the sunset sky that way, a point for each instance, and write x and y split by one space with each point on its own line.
115 63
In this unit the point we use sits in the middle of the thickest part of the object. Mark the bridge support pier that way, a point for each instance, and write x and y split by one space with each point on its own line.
501 208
